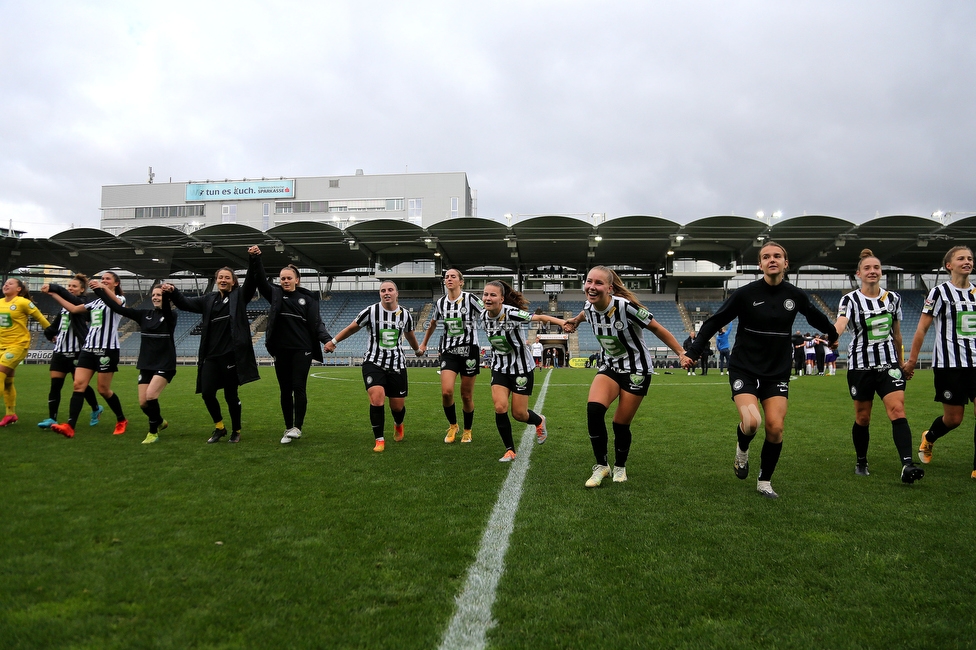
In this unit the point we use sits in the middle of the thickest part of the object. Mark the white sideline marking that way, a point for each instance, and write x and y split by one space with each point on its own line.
472 619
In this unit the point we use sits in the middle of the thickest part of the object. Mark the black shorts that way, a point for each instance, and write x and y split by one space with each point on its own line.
393 383
518 384
956 386
631 383
461 362
762 388
864 384
99 360
145 376
64 362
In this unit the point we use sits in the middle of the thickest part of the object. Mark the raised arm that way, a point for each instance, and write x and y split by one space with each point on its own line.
255 268
109 299
71 307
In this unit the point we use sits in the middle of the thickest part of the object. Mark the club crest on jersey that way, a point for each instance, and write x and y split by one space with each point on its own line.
738 384
471 363
140 378
947 395
301 301
789 305
463 310
443 364
618 325
853 391
521 382
103 360
636 380
13 307
895 373
369 380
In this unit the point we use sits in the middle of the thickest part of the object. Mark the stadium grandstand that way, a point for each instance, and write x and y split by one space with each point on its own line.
681 272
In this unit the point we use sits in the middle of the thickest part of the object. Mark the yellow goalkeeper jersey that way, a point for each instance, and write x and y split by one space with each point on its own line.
13 321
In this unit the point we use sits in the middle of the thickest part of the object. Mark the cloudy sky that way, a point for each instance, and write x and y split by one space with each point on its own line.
683 110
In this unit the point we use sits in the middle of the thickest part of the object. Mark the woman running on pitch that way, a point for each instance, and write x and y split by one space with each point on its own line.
384 365
874 359
459 350
952 307
226 358
68 332
512 365
295 331
15 308
762 357
157 353
100 352
625 365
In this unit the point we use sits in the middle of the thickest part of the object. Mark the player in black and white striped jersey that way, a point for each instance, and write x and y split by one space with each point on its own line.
952 307
459 350
68 331
100 353
512 365
625 365
384 365
875 363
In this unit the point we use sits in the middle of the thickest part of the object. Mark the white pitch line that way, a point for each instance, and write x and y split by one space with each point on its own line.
472 619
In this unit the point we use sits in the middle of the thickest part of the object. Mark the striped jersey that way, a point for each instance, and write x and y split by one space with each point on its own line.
954 314
385 330
104 331
511 356
459 318
14 314
66 340
620 331
871 321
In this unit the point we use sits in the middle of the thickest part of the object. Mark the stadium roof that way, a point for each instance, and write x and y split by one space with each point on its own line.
913 244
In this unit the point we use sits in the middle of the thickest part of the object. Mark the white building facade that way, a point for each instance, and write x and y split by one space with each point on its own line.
419 198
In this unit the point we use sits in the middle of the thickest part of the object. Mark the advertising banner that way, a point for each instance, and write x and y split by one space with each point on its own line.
240 190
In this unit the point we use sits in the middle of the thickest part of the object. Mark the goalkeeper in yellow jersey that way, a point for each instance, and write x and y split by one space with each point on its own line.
15 308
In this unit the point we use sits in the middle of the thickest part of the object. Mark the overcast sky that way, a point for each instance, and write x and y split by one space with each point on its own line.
678 109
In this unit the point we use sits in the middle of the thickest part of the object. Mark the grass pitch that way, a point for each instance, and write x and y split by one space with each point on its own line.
108 543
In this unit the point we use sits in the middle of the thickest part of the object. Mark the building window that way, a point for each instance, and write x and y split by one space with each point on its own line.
415 207
334 182
228 213
292 207
454 207
394 205
164 211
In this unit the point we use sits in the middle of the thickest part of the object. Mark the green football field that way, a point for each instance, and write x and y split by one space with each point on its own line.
108 543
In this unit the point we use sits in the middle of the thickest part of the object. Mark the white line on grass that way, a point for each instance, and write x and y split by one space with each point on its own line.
472 619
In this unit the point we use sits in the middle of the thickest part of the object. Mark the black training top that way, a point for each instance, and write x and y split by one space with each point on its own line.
763 347
157 350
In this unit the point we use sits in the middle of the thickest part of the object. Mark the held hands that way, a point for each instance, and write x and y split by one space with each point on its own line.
909 369
45 288
569 326
254 250
686 362
167 287
329 347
